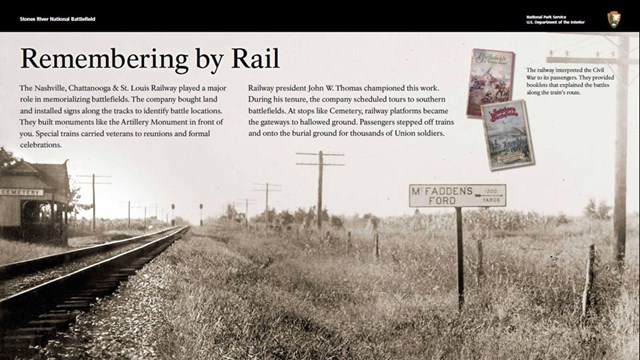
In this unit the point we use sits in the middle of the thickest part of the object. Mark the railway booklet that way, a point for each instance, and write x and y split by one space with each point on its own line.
490 79
507 134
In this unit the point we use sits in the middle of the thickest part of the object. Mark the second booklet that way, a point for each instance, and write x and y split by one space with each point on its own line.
507 134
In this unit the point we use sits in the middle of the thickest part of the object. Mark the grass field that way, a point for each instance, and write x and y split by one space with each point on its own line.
246 294
12 251
16 250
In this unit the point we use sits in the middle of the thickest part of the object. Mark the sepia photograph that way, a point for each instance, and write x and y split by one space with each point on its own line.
319 195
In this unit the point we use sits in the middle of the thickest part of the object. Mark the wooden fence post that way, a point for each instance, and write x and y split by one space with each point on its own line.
479 271
376 237
590 276
349 241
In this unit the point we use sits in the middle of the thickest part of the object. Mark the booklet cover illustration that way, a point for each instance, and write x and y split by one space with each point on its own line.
490 79
506 130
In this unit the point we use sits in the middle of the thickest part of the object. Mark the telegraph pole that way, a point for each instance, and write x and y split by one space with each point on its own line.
93 193
620 198
266 203
321 164
245 202
266 195
246 212
138 206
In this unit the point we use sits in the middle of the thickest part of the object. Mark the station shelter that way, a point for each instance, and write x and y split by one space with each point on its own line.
34 200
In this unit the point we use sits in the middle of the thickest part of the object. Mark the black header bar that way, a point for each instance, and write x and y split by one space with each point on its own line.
445 16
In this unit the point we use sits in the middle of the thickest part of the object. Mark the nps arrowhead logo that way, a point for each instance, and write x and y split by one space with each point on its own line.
614 18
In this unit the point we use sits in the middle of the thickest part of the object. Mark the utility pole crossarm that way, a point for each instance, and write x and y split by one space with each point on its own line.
595 60
316 164
316 154
617 34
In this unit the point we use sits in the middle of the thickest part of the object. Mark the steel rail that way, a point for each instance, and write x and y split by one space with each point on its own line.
48 261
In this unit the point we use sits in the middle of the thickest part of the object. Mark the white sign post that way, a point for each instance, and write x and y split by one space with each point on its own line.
458 196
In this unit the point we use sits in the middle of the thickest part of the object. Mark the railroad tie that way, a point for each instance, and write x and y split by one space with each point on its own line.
47 331
15 343
64 316
57 323
86 298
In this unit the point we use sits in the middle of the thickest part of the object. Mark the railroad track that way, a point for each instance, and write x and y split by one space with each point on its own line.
31 266
32 316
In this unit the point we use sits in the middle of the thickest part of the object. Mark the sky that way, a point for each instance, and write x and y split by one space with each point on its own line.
573 137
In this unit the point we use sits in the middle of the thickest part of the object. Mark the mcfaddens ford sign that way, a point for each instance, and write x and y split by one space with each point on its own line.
439 195
21 192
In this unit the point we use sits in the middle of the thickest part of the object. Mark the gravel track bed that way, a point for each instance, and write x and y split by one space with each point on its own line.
118 326
17 284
